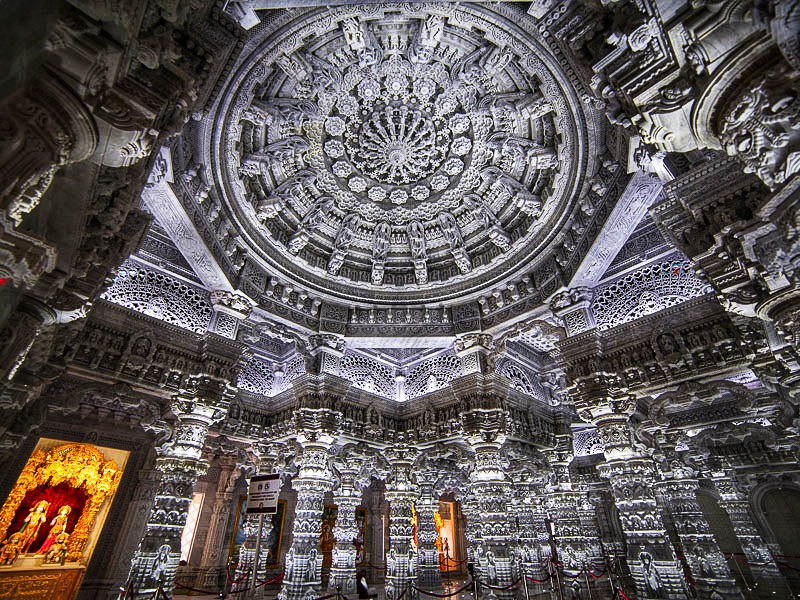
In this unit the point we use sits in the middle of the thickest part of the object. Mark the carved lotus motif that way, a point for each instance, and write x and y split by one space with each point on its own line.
392 126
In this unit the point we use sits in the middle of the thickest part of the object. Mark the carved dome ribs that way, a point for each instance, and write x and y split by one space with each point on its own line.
370 151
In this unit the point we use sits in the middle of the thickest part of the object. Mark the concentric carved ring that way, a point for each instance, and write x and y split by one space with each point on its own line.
413 153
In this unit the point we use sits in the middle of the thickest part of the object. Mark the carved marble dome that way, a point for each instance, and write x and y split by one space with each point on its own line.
400 154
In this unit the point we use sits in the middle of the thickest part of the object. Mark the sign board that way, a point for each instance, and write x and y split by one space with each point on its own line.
262 497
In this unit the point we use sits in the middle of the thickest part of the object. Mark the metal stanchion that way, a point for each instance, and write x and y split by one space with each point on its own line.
558 583
256 557
475 583
588 584
525 583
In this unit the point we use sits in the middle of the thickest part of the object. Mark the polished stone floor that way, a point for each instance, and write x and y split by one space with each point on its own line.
535 592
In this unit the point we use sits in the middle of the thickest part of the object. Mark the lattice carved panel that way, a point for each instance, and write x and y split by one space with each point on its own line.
433 375
160 296
646 291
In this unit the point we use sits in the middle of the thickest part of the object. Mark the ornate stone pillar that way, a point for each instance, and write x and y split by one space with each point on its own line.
401 567
562 501
541 538
19 334
575 545
347 497
768 580
708 566
314 477
590 529
202 401
485 432
44 128
601 399
214 558
472 529
524 529
429 577
631 474
265 458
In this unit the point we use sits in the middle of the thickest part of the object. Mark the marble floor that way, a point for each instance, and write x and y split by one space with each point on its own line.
534 593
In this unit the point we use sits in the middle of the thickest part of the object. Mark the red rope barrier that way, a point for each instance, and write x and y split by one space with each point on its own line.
621 593
401 595
603 572
191 589
453 563
501 589
235 581
531 579
435 595
273 580
787 565
567 575
376 567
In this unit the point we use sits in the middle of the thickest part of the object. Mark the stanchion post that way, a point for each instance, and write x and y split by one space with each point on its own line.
611 578
558 583
256 557
525 583
475 582
588 583
741 574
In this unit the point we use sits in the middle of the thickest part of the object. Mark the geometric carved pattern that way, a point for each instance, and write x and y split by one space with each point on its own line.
160 296
368 375
586 442
645 292
521 380
294 369
398 153
256 377
433 375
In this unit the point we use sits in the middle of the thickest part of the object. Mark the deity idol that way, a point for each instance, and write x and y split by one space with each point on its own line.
32 523
57 526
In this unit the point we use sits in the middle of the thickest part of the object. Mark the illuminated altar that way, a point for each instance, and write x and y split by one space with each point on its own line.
53 516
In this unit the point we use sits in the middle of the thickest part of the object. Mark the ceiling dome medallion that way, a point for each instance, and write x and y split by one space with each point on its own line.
408 153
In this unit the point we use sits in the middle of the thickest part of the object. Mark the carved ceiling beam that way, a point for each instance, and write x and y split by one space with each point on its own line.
642 191
162 202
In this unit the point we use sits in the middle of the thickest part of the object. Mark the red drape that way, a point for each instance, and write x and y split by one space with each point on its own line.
58 496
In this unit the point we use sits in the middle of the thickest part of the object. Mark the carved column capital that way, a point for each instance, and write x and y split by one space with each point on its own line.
230 308
573 307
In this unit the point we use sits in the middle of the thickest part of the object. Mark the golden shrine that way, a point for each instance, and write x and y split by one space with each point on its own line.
59 492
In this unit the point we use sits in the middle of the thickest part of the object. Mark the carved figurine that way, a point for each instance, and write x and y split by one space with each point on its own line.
57 553
416 240
158 573
652 580
11 549
430 33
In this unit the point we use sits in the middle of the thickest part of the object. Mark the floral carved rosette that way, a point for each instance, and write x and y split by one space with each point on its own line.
418 147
